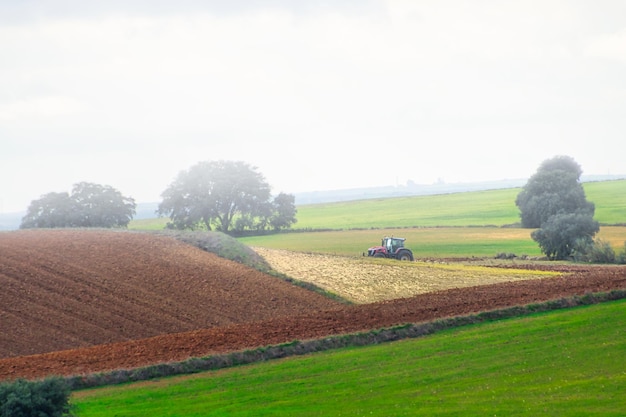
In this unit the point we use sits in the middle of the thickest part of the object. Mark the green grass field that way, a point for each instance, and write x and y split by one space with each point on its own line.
565 363
479 208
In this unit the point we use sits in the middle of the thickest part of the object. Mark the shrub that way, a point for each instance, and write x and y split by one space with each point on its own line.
598 252
47 398
602 253
504 255
621 257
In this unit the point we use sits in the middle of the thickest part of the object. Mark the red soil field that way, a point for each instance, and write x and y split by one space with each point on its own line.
241 307
64 289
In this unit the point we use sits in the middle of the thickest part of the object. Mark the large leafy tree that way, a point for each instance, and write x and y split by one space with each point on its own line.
89 205
555 188
226 195
553 202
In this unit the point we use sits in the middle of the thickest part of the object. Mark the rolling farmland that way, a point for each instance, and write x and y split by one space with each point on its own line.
85 301
89 301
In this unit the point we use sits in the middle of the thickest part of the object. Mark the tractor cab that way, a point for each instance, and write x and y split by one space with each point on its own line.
392 244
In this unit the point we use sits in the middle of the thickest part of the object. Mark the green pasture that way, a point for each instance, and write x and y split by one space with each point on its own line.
610 200
477 208
565 363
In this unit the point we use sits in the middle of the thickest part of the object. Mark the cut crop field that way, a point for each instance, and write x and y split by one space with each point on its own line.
368 280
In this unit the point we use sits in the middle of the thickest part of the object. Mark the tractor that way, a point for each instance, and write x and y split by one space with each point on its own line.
391 247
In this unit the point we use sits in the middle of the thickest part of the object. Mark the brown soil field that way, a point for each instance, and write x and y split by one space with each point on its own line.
246 310
64 289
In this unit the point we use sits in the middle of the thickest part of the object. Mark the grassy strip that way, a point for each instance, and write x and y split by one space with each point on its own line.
295 348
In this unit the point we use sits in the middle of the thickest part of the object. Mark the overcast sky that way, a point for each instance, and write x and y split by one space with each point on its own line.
328 95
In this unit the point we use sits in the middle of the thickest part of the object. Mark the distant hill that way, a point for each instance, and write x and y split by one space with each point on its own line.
413 189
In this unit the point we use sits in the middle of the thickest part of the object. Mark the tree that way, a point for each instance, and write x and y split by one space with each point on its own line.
89 205
224 194
555 188
284 211
101 206
51 210
554 201
562 233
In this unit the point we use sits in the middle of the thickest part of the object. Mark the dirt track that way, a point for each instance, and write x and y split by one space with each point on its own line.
285 324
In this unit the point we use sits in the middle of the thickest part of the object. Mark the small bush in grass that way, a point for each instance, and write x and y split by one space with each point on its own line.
602 252
597 252
504 255
47 398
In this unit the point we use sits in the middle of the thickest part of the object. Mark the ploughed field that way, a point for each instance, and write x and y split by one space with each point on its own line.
65 289
76 302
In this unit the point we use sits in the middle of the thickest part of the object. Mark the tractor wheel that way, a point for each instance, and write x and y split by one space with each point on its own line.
379 255
405 256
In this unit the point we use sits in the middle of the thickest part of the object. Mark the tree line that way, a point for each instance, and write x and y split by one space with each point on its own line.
233 197
228 196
